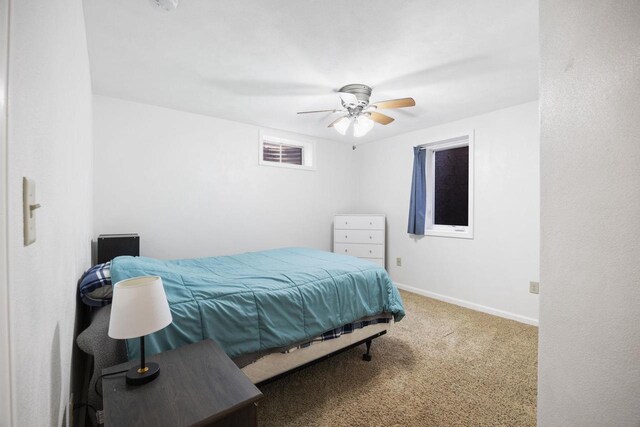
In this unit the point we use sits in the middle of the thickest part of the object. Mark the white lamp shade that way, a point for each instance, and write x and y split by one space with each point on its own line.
139 308
342 125
362 126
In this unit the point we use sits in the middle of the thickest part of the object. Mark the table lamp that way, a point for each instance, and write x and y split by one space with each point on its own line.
139 308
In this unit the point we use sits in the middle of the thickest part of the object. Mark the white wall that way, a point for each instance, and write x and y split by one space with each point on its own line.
492 271
49 140
191 186
589 352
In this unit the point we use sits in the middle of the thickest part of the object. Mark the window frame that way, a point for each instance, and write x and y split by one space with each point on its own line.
308 151
440 230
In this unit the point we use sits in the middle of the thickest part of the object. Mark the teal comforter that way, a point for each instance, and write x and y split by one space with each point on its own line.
261 300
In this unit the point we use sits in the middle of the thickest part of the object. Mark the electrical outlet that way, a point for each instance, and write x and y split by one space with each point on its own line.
534 287
399 262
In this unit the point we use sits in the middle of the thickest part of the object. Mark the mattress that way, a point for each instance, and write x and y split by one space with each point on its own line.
259 301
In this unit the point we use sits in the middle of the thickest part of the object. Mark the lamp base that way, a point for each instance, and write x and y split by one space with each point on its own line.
137 376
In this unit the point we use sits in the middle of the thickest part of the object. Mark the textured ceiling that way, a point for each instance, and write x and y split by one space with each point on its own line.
259 62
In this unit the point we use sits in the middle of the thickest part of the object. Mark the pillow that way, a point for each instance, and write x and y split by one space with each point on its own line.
95 285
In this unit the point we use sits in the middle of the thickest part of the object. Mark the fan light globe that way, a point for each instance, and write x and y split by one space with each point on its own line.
342 125
362 126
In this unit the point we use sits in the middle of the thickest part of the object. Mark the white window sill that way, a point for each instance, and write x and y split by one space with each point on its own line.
465 233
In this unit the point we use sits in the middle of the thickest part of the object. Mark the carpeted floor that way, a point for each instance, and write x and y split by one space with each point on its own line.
442 365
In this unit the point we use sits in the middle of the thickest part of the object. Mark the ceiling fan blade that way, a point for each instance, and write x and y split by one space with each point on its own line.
336 121
395 103
318 111
381 118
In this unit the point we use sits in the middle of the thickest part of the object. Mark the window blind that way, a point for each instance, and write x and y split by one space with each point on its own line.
282 153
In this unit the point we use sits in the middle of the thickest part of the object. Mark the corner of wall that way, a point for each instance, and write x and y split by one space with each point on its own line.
6 396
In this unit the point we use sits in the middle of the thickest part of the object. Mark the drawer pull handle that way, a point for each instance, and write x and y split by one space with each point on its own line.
370 237
345 250
369 250
346 237
370 223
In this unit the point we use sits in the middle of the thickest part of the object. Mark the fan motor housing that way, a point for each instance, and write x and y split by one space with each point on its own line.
361 92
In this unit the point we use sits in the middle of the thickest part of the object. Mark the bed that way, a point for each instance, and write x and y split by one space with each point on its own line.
272 311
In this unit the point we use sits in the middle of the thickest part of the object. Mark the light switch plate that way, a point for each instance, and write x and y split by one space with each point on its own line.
29 207
399 262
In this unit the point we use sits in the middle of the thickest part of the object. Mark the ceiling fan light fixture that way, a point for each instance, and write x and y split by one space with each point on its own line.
357 109
342 125
362 126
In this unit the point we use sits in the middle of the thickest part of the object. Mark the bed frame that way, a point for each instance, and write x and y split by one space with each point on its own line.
269 368
274 366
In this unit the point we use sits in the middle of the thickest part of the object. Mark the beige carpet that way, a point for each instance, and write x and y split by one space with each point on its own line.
442 365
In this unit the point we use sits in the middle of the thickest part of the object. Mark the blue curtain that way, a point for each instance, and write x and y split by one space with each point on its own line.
418 205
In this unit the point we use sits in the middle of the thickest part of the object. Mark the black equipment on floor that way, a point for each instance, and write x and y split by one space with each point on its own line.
113 245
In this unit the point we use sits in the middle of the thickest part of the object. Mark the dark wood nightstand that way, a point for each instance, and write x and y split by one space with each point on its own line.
198 386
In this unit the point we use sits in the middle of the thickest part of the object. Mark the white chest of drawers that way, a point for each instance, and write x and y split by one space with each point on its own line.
362 236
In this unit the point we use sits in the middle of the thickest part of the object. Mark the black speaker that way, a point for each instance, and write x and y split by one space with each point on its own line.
113 245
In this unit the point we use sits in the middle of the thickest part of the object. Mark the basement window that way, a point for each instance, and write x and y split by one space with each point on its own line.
281 152
449 173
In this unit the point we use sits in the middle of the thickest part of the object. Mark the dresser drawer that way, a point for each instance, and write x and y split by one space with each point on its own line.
358 222
359 250
359 236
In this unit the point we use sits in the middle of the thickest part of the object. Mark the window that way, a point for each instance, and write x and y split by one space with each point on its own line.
276 151
282 153
449 173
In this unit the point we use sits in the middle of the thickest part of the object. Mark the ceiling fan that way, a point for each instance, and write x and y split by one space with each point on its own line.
355 104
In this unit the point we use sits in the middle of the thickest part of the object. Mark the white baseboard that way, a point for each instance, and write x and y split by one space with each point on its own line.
471 305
